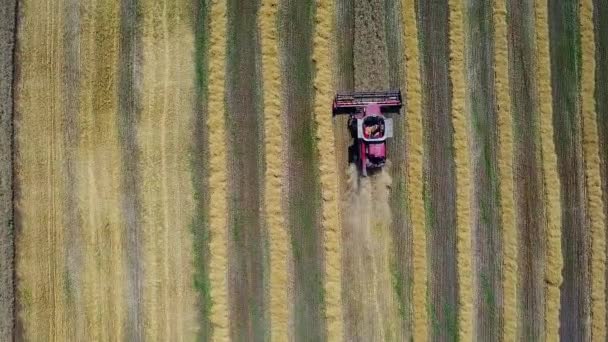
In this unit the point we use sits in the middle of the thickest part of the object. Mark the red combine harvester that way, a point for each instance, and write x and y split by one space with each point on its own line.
368 125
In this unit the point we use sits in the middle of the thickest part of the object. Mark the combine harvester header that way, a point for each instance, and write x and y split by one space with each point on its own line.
368 125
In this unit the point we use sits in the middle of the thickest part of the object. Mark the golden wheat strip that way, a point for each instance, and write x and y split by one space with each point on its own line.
592 171
505 163
279 241
322 54
217 171
553 275
461 156
414 188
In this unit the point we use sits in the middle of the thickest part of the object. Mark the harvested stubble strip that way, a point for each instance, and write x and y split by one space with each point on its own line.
100 174
461 159
553 256
217 172
483 138
413 95
165 134
440 171
279 247
322 55
505 164
592 169
565 54
41 268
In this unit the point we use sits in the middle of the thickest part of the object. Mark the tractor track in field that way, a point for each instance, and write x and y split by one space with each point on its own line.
486 214
8 24
439 170
527 170
302 193
565 52
601 102
247 236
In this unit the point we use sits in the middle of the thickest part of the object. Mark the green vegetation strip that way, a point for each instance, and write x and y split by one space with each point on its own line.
565 47
248 251
200 172
296 24
7 251
439 169
482 114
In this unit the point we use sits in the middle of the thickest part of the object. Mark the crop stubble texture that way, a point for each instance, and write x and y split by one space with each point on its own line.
302 192
323 47
216 127
439 174
7 250
486 215
565 53
280 282
589 132
505 165
413 104
247 243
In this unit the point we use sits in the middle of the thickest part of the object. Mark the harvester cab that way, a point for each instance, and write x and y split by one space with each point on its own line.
368 125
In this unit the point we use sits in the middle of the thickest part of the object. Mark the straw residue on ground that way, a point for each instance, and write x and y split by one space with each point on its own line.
322 57
217 172
413 104
592 169
462 163
553 258
277 234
